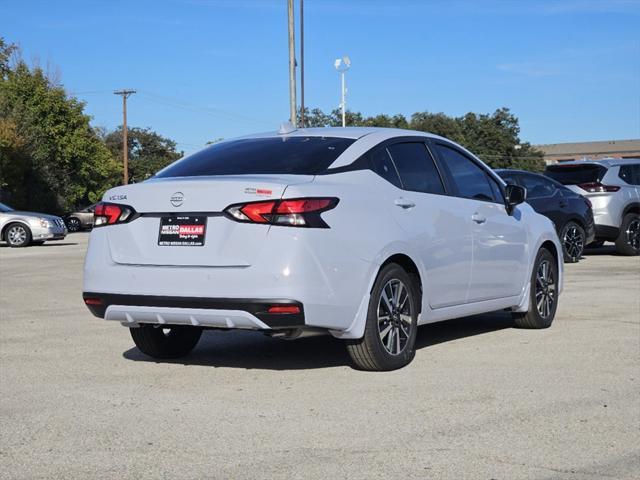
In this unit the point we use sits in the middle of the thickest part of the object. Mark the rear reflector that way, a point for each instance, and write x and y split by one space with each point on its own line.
93 301
284 309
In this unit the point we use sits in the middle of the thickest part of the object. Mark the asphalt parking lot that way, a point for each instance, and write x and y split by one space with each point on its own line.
481 400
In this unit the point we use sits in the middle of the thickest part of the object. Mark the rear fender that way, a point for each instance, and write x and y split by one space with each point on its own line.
357 327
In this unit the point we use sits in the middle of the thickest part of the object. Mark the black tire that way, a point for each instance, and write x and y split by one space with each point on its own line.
376 350
628 241
73 224
573 238
165 341
537 317
17 235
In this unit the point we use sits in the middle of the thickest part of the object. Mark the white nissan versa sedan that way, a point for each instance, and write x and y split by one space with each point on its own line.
364 233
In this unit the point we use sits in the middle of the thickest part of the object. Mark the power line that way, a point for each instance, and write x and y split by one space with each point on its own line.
213 111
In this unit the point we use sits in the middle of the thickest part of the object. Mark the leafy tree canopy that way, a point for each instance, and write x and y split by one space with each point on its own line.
148 151
51 159
492 137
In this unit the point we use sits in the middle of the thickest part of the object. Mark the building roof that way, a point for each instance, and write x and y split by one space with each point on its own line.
577 149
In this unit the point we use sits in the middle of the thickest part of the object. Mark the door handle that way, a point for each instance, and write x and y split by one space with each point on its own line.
563 204
476 217
404 203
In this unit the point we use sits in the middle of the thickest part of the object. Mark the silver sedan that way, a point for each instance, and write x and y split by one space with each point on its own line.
20 229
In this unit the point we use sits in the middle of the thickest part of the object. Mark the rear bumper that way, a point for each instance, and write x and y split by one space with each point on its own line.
206 312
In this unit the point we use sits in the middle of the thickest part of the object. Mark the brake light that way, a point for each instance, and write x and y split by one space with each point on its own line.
111 213
295 212
597 187
92 301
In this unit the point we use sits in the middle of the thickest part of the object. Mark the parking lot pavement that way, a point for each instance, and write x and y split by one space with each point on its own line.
481 400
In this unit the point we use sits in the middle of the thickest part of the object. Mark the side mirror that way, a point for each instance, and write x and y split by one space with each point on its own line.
515 195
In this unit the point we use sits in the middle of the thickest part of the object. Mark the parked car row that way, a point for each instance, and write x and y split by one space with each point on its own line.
613 188
19 228
589 202
570 212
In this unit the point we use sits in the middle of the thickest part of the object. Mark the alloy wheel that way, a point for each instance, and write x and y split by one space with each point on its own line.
395 322
17 235
633 233
545 289
73 224
573 242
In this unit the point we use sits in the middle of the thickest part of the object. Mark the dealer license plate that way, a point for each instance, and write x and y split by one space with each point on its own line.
182 231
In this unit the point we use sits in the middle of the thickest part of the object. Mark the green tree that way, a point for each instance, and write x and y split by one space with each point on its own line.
438 124
52 159
148 151
495 139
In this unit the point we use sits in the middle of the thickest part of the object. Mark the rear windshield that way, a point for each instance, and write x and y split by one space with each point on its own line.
576 174
275 155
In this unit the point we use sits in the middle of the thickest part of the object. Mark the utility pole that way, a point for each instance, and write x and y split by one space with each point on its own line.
302 63
292 66
125 147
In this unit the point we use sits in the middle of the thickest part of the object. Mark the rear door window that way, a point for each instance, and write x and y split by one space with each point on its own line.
416 168
469 178
630 174
576 174
383 166
537 186
271 155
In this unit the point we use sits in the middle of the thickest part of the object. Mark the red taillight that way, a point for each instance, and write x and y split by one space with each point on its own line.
597 187
287 309
258 212
110 214
295 212
303 205
92 301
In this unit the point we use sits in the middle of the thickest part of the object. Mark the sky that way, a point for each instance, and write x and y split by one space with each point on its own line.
209 69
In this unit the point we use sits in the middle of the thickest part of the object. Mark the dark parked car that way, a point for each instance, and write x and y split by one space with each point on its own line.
80 220
570 212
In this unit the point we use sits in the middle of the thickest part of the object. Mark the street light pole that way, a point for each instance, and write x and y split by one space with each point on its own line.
302 63
343 102
292 66
342 65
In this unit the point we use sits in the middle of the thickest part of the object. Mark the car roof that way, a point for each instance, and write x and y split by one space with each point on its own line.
513 170
605 162
342 132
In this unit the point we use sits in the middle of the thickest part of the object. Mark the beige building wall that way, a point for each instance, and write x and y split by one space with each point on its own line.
559 152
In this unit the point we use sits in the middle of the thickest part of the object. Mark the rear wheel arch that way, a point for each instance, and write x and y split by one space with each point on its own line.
632 208
549 245
411 268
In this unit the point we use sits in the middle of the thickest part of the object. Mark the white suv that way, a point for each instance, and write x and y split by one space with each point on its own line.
613 188
363 233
